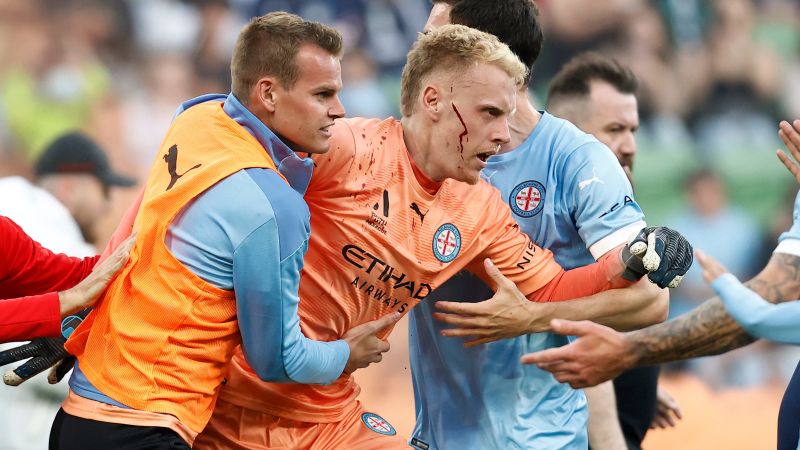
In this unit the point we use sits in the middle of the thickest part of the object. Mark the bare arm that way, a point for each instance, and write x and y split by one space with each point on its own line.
605 432
709 329
510 314
602 353
630 308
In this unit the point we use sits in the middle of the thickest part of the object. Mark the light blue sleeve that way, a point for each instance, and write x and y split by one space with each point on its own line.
249 233
600 194
794 232
266 278
775 322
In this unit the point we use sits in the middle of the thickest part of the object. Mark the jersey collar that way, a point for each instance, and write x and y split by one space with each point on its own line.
295 169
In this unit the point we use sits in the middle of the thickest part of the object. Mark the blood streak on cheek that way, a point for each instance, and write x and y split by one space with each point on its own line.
463 133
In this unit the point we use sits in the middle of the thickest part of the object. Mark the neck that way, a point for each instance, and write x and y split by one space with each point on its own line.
417 139
522 122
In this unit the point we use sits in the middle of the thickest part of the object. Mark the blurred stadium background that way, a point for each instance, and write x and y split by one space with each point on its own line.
716 76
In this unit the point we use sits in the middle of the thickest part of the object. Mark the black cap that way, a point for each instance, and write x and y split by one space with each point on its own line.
77 153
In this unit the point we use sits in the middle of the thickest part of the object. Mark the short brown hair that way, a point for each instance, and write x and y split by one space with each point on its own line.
573 81
454 48
268 45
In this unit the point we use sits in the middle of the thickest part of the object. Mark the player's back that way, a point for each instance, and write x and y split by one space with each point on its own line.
482 397
380 243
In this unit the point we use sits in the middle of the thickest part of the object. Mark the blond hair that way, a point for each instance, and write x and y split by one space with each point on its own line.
454 48
268 46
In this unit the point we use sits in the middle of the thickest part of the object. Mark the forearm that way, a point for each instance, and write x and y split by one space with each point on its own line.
267 308
634 307
758 318
605 432
584 281
709 329
29 317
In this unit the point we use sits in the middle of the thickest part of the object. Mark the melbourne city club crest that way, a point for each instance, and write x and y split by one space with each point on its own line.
378 424
527 199
446 242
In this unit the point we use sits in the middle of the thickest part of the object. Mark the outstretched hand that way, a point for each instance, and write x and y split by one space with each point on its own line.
668 412
599 354
49 353
507 314
712 268
86 293
790 135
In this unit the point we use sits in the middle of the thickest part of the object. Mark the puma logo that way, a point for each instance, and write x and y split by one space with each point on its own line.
594 179
415 208
172 166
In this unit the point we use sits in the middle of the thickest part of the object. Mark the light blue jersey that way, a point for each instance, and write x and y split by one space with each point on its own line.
569 193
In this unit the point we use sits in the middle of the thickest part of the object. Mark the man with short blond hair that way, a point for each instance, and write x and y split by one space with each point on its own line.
567 192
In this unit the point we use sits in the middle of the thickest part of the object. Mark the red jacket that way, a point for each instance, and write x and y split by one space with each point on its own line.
27 268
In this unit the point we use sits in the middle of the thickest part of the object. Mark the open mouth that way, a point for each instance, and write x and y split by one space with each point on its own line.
485 156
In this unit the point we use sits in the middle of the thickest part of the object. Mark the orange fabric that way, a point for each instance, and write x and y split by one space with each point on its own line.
372 253
85 408
125 227
237 428
585 280
161 337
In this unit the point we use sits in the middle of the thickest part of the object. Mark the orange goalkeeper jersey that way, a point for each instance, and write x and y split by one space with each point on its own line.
379 244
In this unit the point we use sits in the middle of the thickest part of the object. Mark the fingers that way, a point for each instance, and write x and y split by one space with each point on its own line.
19 353
572 328
676 281
57 373
790 135
35 366
384 322
638 248
110 266
711 267
465 332
123 252
459 307
651 259
659 422
789 163
125 247
500 281
549 356
12 379
459 320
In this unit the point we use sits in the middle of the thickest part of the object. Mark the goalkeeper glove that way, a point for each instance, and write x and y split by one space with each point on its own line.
44 353
661 253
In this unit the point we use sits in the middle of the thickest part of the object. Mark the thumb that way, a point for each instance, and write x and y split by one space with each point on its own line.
570 328
495 275
385 322
701 258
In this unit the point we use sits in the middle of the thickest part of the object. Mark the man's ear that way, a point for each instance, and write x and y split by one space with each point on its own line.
432 102
264 93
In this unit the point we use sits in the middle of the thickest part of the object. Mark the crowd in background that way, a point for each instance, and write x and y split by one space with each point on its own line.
716 76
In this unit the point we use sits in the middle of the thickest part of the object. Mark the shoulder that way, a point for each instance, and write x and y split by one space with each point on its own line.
568 141
362 131
250 198
266 186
